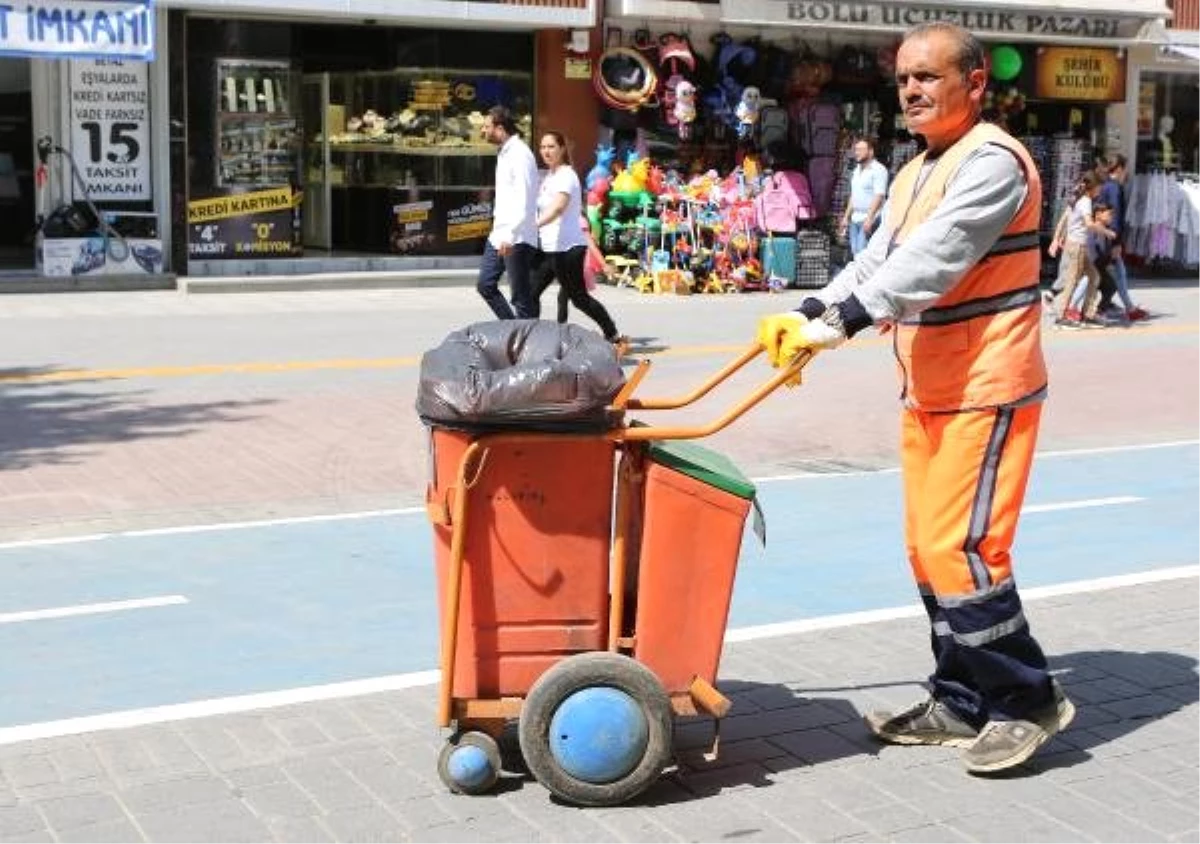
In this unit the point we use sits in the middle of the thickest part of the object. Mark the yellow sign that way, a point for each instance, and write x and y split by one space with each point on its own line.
238 205
1145 110
468 231
577 68
1082 74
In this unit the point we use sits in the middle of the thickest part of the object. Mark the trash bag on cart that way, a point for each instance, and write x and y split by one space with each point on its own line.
519 374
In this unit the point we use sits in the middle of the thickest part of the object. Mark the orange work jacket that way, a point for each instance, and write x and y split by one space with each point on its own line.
980 344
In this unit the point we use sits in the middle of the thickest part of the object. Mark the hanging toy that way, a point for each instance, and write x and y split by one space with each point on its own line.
603 166
747 112
685 108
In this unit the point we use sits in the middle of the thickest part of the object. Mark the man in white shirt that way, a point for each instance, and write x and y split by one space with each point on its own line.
868 188
512 244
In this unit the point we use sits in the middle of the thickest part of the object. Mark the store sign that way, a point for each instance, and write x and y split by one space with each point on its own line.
251 224
446 222
110 127
1145 110
77 28
1082 74
898 17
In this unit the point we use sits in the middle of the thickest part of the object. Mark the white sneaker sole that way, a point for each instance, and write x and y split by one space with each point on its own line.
876 728
1066 714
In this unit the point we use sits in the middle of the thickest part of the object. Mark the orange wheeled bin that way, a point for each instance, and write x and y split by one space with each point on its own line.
584 583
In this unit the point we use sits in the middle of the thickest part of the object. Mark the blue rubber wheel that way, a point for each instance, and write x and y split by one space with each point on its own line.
469 763
599 734
596 729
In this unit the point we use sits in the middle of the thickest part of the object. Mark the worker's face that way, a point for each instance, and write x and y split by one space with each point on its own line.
937 100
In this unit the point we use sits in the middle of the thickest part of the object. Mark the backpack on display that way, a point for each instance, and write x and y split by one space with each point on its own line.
823 123
772 127
822 176
778 258
783 202
855 66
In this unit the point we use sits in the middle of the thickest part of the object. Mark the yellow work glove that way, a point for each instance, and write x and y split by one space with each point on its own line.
786 335
772 330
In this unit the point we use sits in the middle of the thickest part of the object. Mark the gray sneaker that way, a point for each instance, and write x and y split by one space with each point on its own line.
928 722
1006 744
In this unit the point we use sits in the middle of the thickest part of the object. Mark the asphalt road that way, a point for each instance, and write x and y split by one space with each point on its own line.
249 469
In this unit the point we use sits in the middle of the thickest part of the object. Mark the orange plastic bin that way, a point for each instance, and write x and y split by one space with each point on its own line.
536 554
695 508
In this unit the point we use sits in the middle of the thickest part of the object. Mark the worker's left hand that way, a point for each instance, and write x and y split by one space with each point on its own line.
785 335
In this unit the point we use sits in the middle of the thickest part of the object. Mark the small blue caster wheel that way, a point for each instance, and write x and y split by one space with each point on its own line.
596 729
469 763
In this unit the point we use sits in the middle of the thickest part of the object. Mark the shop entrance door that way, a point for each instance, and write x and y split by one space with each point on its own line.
317 223
16 166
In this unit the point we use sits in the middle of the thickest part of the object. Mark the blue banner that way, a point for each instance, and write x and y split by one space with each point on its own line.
117 29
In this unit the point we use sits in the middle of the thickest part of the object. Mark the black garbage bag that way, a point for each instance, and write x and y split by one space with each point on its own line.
519 374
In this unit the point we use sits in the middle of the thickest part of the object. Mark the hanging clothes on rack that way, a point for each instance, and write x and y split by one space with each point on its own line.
1163 219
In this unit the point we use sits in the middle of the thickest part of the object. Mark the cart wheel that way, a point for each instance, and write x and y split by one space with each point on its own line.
469 763
596 729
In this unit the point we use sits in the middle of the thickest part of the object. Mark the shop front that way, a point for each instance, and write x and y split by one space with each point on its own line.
815 75
1163 192
347 143
80 195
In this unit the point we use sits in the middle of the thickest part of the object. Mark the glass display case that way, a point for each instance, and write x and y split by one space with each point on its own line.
258 133
394 161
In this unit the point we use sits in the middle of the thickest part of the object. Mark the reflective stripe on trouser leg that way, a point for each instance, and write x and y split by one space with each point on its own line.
965 476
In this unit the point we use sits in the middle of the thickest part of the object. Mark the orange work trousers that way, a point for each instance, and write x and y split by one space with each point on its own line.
965 476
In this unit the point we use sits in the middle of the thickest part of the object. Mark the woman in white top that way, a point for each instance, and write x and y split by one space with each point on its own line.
1072 237
559 207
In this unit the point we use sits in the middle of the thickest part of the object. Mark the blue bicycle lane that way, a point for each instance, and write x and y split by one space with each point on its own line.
306 603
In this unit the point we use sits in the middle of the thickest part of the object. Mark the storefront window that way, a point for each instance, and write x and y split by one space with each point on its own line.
357 139
1167 124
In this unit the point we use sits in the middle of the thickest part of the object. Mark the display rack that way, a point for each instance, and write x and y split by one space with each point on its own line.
258 133
397 136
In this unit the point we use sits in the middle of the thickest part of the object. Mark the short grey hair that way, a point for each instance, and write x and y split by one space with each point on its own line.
971 53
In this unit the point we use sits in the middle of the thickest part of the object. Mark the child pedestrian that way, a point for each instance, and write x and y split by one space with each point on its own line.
1077 264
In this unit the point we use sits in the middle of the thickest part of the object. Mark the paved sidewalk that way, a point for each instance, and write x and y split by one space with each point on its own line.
796 763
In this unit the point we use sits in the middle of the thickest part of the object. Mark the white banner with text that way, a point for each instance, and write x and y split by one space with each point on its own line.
110 127
998 21
77 28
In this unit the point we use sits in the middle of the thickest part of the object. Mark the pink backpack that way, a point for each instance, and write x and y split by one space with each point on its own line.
784 199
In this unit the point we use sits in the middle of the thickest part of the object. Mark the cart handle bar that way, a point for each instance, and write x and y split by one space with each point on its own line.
791 372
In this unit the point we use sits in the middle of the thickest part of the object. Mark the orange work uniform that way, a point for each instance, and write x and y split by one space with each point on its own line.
973 378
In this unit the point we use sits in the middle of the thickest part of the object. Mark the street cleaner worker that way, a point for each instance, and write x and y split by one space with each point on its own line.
954 269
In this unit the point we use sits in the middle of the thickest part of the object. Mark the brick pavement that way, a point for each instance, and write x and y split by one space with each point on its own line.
796 762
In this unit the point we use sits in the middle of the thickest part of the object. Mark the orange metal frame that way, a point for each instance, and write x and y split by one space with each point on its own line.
702 696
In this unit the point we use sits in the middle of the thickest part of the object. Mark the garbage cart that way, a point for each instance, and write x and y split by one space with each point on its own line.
584 583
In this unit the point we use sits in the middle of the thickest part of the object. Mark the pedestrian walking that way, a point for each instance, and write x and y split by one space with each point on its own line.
868 189
955 273
559 209
1114 172
512 243
1079 302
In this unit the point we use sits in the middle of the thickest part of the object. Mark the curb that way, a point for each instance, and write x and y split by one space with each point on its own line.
366 280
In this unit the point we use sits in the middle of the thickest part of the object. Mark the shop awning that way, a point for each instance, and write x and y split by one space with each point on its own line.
1101 22
1184 51
508 14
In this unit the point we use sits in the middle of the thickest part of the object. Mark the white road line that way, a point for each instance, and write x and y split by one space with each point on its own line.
216 706
1081 504
394 682
91 609
408 511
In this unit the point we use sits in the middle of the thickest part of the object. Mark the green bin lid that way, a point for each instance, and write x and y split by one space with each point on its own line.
704 465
